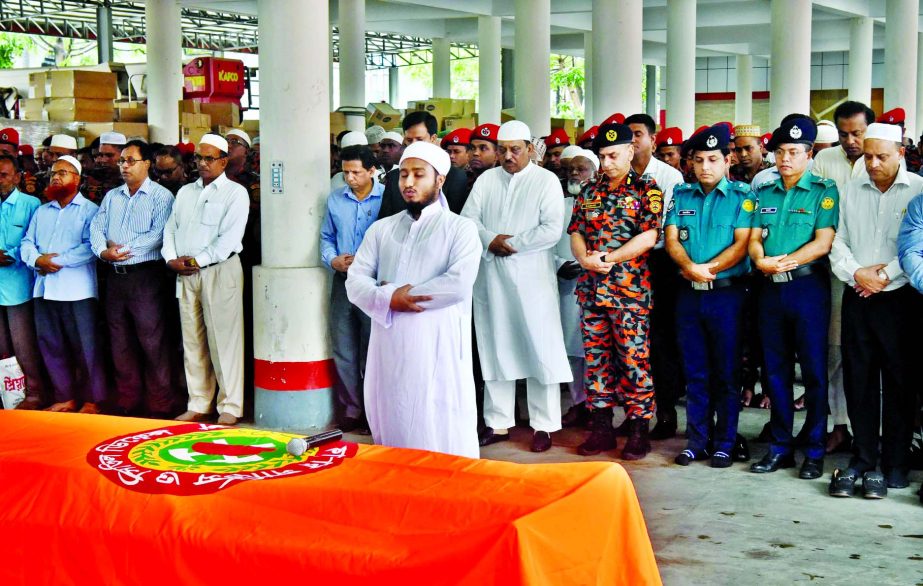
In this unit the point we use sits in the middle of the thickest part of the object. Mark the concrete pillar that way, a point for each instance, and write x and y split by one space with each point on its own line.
589 116
911 132
790 73
394 85
681 15
743 100
352 59
490 79
507 69
663 89
617 57
533 75
104 32
859 72
901 24
164 38
442 68
333 102
650 106
293 370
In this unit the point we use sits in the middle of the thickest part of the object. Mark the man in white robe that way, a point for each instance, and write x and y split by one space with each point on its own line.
413 275
519 212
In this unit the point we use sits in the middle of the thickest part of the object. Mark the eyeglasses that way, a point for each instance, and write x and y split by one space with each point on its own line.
165 172
130 162
207 160
236 141
62 173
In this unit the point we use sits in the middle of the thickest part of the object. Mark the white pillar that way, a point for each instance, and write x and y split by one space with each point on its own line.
394 86
490 83
330 69
681 15
901 23
164 38
291 343
910 131
860 60
352 59
532 73
650 73
617 57
790 73
589 117
662 89
442 68
743 99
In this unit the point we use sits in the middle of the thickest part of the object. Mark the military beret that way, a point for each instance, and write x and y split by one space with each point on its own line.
26 150
672 136
486 131
794 131
558 137
589 135
713 138
459 136
730 128
610 135
765 138
684 151
9 136
617 118
895 116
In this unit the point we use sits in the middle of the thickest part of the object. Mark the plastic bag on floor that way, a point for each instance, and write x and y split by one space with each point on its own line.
13 389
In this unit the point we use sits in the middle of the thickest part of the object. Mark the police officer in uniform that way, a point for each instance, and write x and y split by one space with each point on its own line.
616 222
707 231
792 235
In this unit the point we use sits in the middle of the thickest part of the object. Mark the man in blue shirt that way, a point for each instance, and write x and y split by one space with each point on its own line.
57 248
350 212
17 324
127 234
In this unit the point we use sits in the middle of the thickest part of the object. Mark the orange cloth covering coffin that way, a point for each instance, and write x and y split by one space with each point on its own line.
383 516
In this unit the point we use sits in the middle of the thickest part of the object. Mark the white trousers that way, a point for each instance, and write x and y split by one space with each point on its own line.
544 404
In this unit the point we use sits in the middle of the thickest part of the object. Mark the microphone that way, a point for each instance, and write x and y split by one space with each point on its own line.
299 445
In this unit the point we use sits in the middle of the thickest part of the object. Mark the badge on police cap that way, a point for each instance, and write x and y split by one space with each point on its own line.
455 139
795 132
765 232
485 131
670 140
4 136
711 142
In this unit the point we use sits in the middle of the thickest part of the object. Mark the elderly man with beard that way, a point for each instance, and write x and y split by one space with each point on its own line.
413 275
57 247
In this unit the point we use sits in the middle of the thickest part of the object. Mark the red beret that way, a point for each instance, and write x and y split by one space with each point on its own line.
558 137
617 118
26 149
486 131
9 136
589 135
672 136
895 116
459 136
186 148
765 138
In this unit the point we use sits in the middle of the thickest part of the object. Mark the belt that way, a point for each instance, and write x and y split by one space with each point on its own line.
233 254
716 284
798 273
127 269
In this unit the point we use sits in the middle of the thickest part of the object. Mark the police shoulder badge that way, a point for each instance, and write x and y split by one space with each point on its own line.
683 234
827 203
748 205
765 232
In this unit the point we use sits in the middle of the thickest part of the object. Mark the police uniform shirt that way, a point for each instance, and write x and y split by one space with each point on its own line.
788 219
706 222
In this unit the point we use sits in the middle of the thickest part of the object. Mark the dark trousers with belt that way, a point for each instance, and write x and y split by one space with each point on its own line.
794 317
666 359
710 324
69 343
879 381
136 317
350 329
17 338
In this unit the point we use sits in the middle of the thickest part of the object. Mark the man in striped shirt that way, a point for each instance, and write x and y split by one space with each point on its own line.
127 234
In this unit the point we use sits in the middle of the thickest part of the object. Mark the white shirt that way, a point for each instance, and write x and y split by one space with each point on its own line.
667 178
419 384
869 225
207 222
832 163
516 314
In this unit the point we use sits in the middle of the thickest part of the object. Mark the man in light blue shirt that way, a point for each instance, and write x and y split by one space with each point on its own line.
57 248
17 324
910 243
350 212
127 234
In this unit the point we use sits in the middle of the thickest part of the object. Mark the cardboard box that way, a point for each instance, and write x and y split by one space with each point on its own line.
188 120
443 108
38 85
131 111
80 110
189 106
193 135
222 113
32 109
507 115
456 123
96 85
383 115
92 131
251 127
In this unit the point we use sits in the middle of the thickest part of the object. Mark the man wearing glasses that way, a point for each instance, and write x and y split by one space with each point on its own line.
201 241
168 169
127 234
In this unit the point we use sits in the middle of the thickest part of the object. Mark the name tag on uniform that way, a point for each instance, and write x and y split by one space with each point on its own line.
768 210
686 212
591 205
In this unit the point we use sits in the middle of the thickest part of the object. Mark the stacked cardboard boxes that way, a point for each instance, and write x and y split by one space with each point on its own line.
85 96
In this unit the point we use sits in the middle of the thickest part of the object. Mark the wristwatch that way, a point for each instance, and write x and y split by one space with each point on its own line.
883 275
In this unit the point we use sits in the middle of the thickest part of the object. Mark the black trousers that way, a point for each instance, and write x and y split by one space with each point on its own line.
69 343
666 361
878 374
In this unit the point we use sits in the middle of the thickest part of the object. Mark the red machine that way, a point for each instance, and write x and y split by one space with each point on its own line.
211 80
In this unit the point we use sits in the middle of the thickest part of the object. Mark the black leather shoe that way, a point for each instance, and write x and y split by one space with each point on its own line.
687 457
349 424
741 450
541 441
772 462
811 468
665 428
874 485
897 478
489 437
842 483
721 460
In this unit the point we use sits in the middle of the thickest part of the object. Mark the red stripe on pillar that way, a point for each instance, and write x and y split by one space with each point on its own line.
293 376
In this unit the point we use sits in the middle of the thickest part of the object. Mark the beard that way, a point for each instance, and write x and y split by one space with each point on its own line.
416 207
574 187
58 192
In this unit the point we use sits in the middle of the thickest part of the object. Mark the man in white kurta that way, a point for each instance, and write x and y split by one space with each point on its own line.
413 275
519 212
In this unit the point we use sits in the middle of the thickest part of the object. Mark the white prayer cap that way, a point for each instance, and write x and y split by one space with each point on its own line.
514 130
113 138
588 155
241 135
374 134
256 140
826 132
64 141
353 138
216 141
391 135
72 162
429 152
570 151
880 131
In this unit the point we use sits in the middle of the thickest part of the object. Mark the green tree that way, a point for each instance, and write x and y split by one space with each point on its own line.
568 80
12 46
